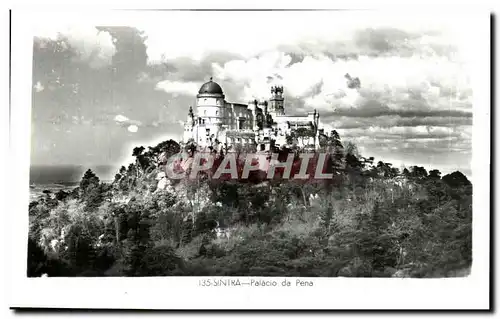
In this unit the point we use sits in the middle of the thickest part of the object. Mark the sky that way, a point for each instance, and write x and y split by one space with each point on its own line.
100 90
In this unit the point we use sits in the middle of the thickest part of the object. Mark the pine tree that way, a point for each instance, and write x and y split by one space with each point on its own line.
91 190
337 151
326 220
187 231
88 181
138 240
375 245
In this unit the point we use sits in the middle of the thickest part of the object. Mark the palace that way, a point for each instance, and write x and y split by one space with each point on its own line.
260 124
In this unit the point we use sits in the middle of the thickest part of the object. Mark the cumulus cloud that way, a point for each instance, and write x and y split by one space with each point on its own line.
131 125
177 87
306 33
121 118
407 132
351 122
387 88
413 93
133 128
414 145
91 45
390 84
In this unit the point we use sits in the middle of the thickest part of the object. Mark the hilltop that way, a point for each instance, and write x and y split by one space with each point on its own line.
369 220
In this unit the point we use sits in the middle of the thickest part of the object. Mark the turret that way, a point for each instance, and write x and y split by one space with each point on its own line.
191 115
277 101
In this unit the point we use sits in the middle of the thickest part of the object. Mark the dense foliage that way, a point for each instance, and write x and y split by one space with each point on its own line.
370 220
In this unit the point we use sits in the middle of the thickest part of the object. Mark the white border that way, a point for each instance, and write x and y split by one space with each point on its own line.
183 292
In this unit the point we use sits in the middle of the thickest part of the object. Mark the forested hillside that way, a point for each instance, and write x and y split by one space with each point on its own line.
369 220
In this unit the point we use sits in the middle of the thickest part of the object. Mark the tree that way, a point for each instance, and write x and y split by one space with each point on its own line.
91 190
291 139
373 241
39 263
418 172
89 181
274 228
351 149
123 170
387 170
456 180
141 161
161 261
37 260
80 251
160 153
137 151
117 178
406 172
61 195
382 168
353 167
138 237
326 220
304 134
366 162
336 149
461 187
436 174
438 191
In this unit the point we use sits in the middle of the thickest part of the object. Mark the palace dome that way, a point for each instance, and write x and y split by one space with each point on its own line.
210 88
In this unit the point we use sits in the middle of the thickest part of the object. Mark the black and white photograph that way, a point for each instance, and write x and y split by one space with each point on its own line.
255 149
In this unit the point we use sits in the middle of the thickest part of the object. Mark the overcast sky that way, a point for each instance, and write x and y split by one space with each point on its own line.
100 91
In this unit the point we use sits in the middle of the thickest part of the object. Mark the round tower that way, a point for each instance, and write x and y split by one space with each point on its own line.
210 102
210 106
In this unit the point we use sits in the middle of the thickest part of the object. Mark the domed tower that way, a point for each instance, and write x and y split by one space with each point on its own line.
210 105
277 101
210 102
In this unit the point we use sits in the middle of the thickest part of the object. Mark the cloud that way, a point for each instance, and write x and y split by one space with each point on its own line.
133 128
414 145
131 125
413 99
91 45
408 132
121 118
300 33
350 122
176 87
390 85
187 69
389 89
